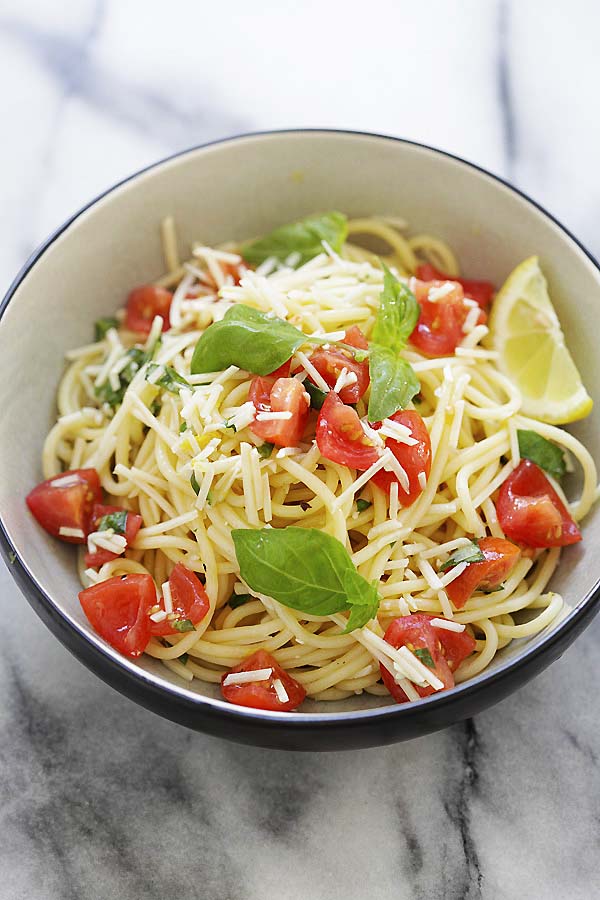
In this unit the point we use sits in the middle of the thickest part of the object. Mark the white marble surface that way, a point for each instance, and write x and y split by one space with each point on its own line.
101 799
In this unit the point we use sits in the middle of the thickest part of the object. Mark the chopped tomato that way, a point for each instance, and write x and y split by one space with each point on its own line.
439 328
500 559
341 437
415 459
66 502
118 610
456 645
262 694
416 633
143 304
133 523
279 395
329 363
479 291
190 600
531 512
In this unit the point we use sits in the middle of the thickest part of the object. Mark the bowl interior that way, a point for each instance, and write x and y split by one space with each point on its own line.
234 190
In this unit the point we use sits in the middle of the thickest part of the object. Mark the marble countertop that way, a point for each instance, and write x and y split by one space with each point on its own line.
101 799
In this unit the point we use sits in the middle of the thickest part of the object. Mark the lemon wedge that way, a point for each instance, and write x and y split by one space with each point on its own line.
525 330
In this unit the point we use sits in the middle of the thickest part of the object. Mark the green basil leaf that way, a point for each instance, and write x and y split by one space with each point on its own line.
246 338
101 326
182 427
303 568
361 504
397 315
194 484
239 599
182 625
170 380
425 656
114 397
317 396
265 450
544 453
303 238
363 599
183 658
469 554
116 520
393 383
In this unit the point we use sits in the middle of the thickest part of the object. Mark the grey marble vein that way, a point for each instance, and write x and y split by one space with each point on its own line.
100 799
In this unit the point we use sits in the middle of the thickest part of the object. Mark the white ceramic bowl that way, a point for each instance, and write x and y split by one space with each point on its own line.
229 190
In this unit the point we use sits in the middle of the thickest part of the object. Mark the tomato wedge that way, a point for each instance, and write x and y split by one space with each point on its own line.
133 523
143 304
118 610
271 393
415 459
500 559
329 363
456 645
263 694
341 437
531 512
190 600
66 501
439 328
416 633
479 291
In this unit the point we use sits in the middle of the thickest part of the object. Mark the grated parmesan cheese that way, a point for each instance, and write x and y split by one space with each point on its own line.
65 531
248 677
167 597
447 626
282 694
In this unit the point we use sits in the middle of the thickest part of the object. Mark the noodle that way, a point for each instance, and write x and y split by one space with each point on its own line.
146 461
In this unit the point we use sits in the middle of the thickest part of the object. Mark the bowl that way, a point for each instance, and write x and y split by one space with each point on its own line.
229 190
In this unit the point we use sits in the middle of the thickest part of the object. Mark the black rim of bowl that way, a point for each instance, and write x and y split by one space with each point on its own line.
122 669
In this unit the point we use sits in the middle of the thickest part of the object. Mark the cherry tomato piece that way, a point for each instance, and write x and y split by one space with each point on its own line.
329 363
500 559
66 501
190 600
416 633
263 694
341 437
279 395
439 329
456 645
118 610
530 511
143 304
415 459
479 291
133 523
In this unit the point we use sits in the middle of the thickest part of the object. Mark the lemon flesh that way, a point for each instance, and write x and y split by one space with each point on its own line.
525 330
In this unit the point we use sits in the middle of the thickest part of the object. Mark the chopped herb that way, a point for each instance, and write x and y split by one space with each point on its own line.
182 625
317 396
101 326
183 659
503 459
210 498
113 397
155 407
194 484
170 380
545 454
469 554
116 520
425 656
265 450
418 399
229 424
361 504
182 427
238 600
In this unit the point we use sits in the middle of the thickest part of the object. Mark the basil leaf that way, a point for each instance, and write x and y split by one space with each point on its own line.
317 396
170 380
393 383
469 554
265 450
101 326
361 504
194 484
305 569
182 625
238 600
116 520
544 453
114 397
246 338
303 238
182 427
183 658
397 315
425 656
